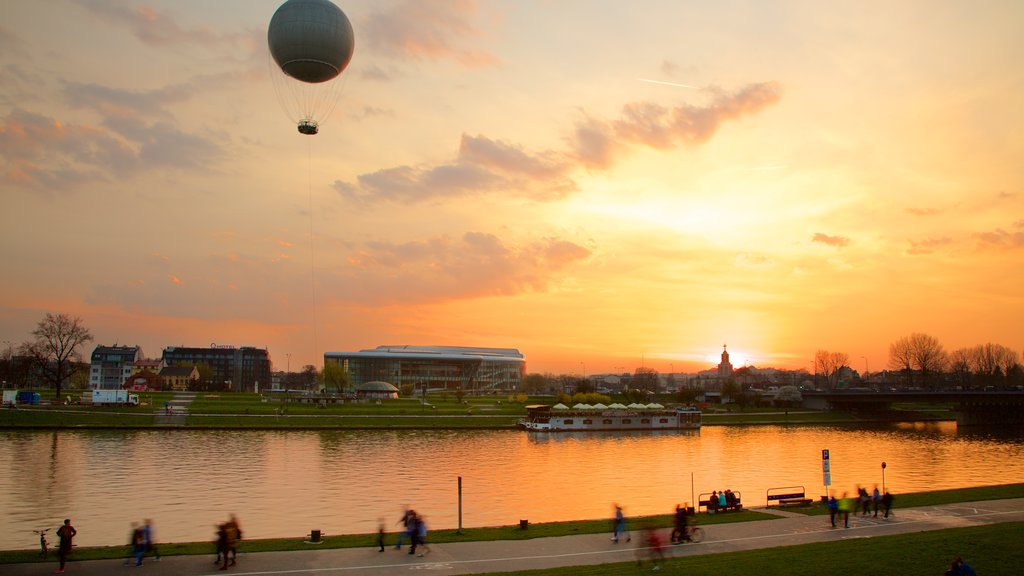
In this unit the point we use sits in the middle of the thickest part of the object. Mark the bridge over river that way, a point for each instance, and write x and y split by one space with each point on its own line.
973 407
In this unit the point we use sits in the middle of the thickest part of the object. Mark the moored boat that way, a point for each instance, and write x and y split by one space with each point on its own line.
544 418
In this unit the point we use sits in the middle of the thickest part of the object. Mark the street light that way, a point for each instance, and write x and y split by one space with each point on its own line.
866 372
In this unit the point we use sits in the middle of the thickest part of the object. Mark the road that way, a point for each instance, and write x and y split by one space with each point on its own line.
506 555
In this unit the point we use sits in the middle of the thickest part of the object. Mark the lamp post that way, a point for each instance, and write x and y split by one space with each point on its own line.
866 372
883 477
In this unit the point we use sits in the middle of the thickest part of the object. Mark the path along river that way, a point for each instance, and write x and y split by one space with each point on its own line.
285 483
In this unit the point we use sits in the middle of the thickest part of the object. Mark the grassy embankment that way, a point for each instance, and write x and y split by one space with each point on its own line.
240 410
541 530
990 549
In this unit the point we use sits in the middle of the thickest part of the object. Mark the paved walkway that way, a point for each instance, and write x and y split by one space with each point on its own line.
176 410
500 556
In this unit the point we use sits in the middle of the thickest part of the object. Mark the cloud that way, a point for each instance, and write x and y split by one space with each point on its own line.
836 241
44 153
924 211
233 286
1000 239
754 261
485 165
153 26
929 246
427 30
598 143
444 268
656 126
41 152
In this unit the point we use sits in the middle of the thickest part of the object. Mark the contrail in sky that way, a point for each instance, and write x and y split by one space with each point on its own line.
667 83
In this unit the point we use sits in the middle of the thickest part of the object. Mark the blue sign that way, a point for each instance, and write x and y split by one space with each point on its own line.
826 468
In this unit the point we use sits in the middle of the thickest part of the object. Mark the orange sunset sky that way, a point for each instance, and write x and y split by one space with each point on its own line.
598 184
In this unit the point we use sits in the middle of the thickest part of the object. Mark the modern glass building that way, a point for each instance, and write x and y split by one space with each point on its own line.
244 369
435 367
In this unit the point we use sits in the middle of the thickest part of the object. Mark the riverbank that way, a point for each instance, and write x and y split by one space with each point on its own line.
533 531
248 411
914 541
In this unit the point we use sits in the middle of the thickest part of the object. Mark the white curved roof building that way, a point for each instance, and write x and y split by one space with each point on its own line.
435 367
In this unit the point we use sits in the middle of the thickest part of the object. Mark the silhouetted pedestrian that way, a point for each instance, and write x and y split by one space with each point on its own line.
833 509
65 533
405 533
620 525
232 534
138 543
222 543
380 534
887 502
148 539
421 535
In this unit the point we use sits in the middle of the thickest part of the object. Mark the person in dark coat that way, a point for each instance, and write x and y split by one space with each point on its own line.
65 533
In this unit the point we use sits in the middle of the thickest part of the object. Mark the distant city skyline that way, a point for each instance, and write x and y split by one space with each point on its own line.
597 184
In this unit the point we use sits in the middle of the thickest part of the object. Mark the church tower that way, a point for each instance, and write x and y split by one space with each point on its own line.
725 367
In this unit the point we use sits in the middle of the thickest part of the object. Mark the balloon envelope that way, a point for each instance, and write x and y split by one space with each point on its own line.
311 40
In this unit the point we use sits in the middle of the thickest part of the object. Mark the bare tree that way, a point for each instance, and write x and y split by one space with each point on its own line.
918 352
992 362
960 365
828 364
57 338
901 357
928 355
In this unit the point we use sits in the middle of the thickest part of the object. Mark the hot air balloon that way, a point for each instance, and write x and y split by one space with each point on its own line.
311 42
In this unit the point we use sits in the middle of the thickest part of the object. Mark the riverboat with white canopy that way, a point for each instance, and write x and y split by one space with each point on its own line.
598 417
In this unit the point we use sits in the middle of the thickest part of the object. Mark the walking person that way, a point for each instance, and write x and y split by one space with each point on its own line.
147 540
421 535
138 544
380 534
620 525
405 533
232 534
887 503
833 509
846 505
222 543
653 546
65 533
414 532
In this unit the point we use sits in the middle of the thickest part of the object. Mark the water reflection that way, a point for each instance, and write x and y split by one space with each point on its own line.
285 483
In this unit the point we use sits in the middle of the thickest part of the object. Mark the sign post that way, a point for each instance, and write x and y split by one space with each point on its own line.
883 477
826 470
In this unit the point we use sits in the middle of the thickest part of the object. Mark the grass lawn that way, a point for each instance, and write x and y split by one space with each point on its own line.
992 549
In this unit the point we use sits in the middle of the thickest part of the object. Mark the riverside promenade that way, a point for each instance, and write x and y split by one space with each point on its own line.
590 549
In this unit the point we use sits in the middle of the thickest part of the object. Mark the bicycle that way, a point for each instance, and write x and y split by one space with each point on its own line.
694 534
44 548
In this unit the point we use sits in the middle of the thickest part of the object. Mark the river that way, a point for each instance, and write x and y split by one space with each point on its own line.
286 483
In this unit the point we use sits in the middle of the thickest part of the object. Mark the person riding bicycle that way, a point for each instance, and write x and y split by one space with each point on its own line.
680 520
